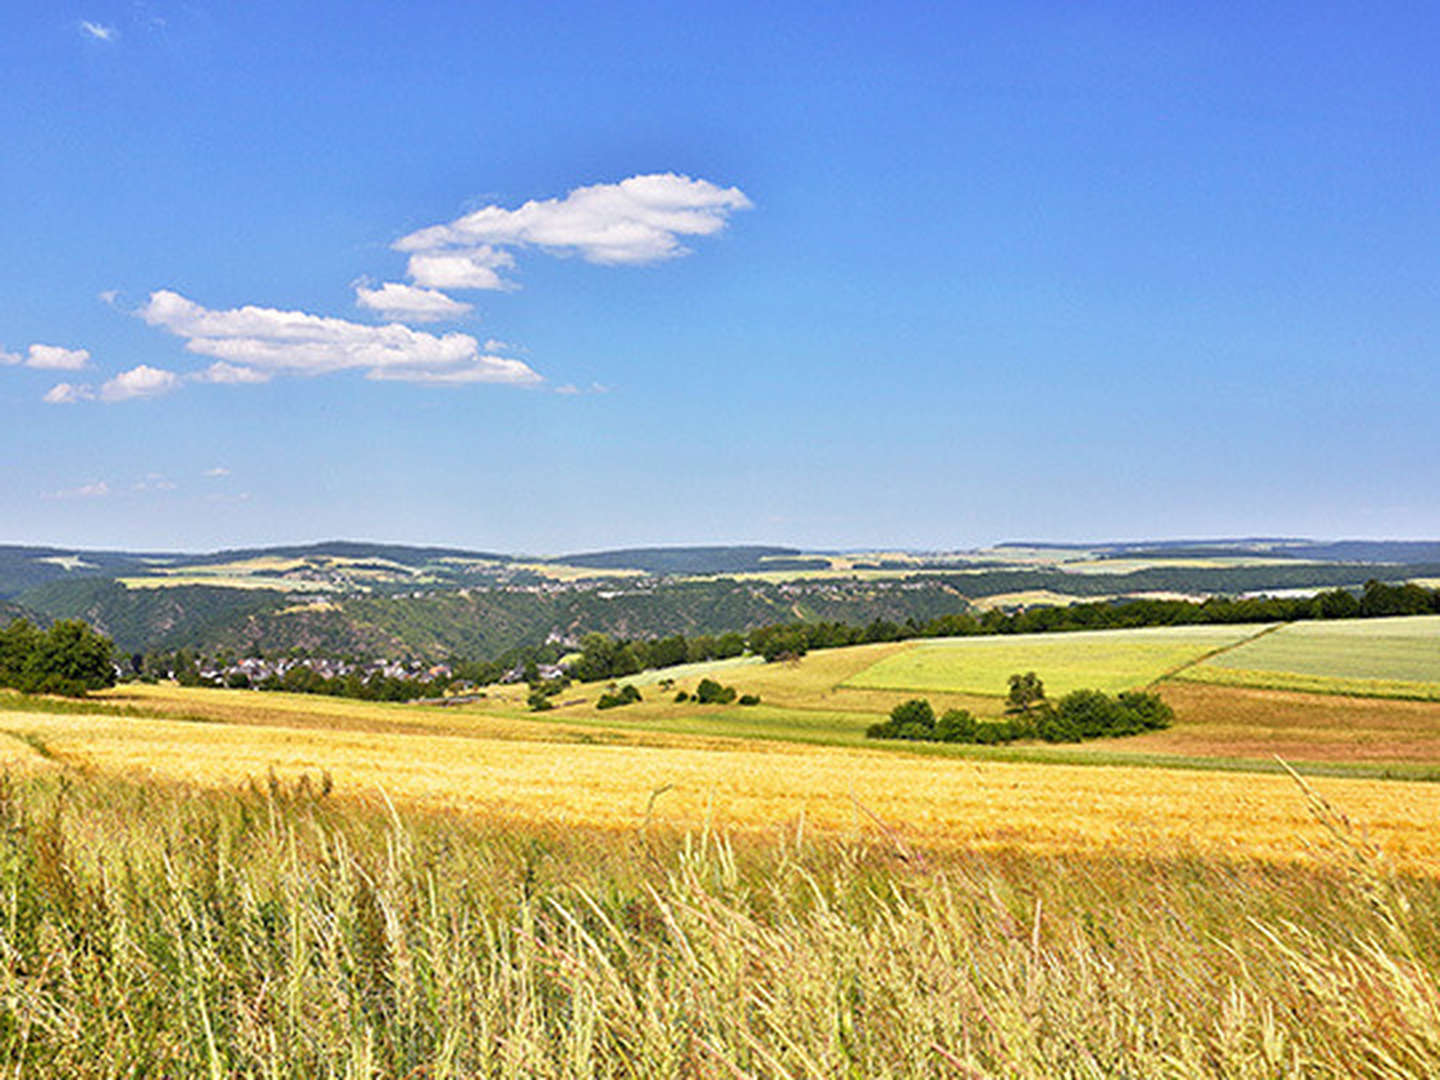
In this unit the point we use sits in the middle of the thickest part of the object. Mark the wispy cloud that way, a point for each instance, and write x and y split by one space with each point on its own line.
97 31
636 221
273 341
154 482
97 490
570 389
68 394
217 472
224 374
398 301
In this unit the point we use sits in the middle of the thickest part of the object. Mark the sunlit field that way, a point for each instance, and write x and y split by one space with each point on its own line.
161 930
1397 657
616 776
1109 660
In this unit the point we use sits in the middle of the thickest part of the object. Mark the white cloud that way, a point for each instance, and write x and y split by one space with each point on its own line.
488 369
272 341
67 394
10 357
639 220
139 382
408 302
567 389
217 471
477 268
55 358
98 31
225 374
108 296
98 490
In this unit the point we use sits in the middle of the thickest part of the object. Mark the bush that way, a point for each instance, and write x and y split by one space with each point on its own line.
956 725
749 699
710 692
626 695
681 695
915 711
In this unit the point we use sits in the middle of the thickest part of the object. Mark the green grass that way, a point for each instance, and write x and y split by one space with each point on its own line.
1110 660
1398 657
156 931
1406 648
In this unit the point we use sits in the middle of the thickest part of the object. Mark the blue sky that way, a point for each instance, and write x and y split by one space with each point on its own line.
834 275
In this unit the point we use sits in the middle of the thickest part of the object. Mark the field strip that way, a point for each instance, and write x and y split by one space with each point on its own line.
1109 660
1220 651
766 787
1334 686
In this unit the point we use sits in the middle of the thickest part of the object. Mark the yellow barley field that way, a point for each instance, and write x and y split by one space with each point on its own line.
542 772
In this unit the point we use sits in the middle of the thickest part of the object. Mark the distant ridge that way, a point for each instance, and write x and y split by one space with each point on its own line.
684 560
1404 552
346 549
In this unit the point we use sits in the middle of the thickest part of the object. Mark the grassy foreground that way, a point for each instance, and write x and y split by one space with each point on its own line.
153 930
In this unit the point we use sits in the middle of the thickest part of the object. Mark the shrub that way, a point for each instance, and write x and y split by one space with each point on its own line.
1151 712
956 725
681 695
749 699
626 695
710 692
914 711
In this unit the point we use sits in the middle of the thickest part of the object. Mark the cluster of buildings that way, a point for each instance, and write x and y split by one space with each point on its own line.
257 670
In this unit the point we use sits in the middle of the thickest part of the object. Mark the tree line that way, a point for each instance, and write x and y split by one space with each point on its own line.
1079 715
604 657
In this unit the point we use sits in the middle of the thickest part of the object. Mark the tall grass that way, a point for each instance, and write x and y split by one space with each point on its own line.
162 931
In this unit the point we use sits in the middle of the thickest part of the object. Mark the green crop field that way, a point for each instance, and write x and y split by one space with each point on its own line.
1108 660
1397 657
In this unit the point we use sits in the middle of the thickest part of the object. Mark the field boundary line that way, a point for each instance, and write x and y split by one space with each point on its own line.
1174 673
1261 679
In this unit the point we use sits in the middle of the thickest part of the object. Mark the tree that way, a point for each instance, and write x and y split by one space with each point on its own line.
1026 691
70 658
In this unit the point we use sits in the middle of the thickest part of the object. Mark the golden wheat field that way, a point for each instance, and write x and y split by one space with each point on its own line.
535 772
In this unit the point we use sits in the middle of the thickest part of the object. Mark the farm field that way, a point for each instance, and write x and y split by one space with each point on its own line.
1394 657
166 930
302 885
1109 660
541 773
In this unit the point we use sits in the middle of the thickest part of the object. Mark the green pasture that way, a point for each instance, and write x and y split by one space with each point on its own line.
1397 657
1110 660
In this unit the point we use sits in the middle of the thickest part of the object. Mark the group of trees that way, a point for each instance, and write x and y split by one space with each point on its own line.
604 657
69 658
374 687
618 696
1079 715
710 692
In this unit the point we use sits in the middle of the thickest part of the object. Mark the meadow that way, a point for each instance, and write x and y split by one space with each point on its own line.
1394 657
285 930
1109 660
